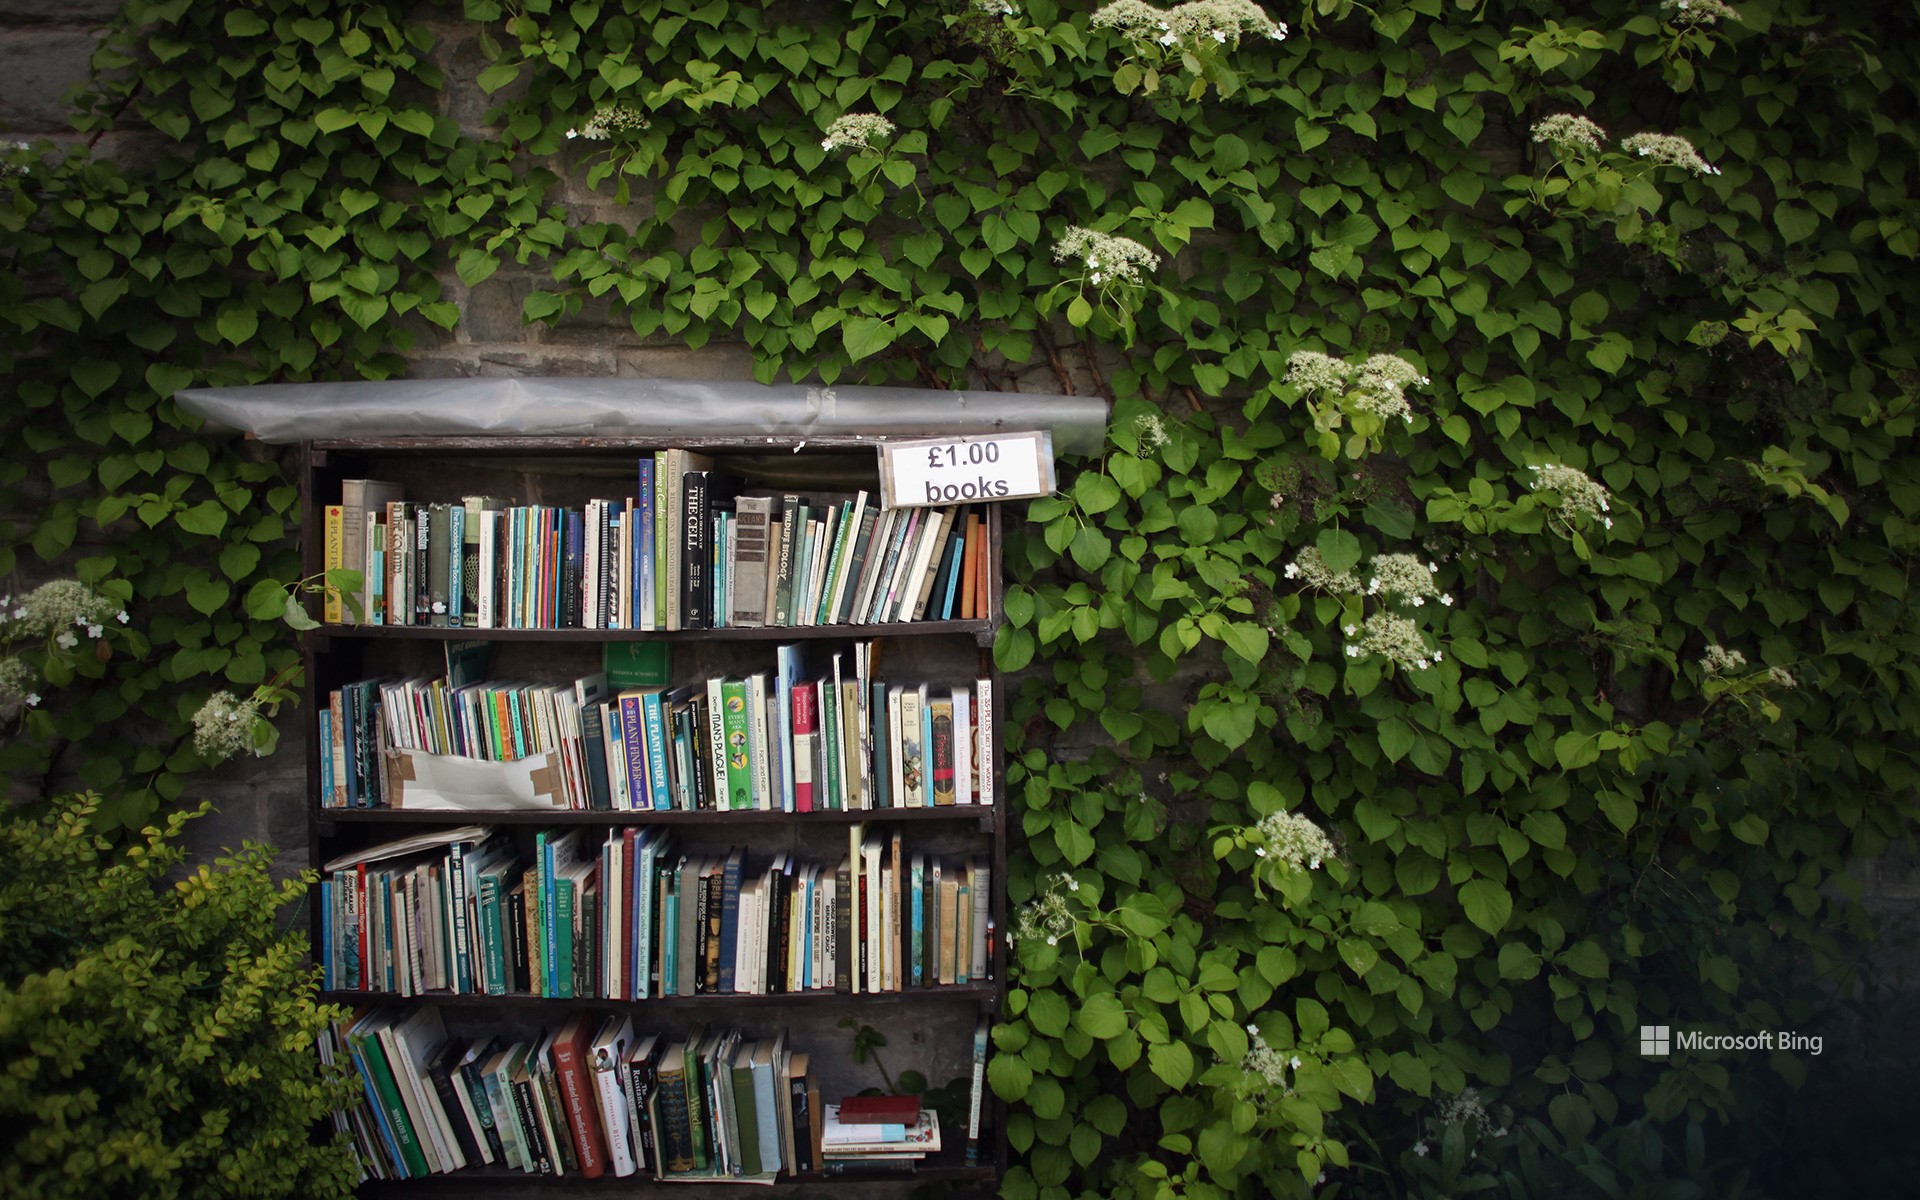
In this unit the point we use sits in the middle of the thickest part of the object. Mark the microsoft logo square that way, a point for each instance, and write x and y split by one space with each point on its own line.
1656 1041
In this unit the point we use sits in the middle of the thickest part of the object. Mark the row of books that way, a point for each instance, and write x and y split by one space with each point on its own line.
792 740
692 548
595 1097
637 916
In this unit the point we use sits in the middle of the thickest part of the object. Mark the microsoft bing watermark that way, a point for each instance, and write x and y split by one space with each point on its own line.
1660 1041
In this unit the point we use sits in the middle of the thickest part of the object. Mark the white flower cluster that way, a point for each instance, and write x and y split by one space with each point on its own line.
612 119
1394 638
1669 150
1150 431
1718 660
1781 677
9 169
1688 13
1466 1109
1105 257
1404 577
1378 385
1570 129
1266 1064
1579 495
856 131
1222 22
224 726
1047 916
17 682
1309 567
994 8
56 609
1289 838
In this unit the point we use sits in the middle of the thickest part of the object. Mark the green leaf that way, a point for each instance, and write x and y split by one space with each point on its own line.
1101 1016
1339 549
1009 1076
1048 1013
1172 1062
866 336
1486 904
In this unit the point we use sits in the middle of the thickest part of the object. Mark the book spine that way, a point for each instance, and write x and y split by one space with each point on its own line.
805 731
576 1093
695 551
421 567
738 745
942 750
333 557
675 1127
457 609
843 926
729 922
532 1137
642 536
614 1125
983 767
747 598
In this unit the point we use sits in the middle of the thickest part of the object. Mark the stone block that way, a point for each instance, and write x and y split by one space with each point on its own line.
719 360
490 311
531 360
39 71
59 12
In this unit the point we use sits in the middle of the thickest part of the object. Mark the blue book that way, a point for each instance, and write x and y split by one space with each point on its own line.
669 923
326 758
917 920
804 919
456 563
394 1156
730 915
950 573
653 716
787 674
646 850
326 934
643 550
638 765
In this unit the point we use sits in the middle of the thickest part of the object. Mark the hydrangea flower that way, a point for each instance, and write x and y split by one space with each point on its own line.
1404 577
1377 386
224 726
1669 150
1394 638
55 609
856 131
1781 677
1223 22
1266 1064
609 120
1310 567
1293 840
1105 257
1687 14
994 8
17 681
1580 496
1718 660
1570 129
1046 916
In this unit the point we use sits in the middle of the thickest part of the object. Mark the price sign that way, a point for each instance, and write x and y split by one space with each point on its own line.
928 472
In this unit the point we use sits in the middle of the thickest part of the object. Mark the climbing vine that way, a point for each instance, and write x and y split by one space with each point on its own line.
1486 631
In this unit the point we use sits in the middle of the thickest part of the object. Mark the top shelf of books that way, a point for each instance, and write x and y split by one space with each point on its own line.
609 541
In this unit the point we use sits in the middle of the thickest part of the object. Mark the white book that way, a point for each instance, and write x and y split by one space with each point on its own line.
717 740
759 744
608 1060
590 566
843 581
896 746
983 766
962 745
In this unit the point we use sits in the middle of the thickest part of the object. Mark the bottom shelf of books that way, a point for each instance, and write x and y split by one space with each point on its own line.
601 1097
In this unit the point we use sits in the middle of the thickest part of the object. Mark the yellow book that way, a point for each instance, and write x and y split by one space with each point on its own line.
334 558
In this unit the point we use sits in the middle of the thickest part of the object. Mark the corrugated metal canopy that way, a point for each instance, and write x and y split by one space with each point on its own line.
291 412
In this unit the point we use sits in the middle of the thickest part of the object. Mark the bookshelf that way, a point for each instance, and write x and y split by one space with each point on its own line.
931 1029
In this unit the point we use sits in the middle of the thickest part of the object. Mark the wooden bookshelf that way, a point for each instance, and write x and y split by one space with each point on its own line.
935 1023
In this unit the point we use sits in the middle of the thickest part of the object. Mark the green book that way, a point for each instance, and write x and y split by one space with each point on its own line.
739 736
366 1046
746 1110
564 901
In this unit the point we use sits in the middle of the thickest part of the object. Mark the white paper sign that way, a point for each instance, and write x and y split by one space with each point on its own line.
929 472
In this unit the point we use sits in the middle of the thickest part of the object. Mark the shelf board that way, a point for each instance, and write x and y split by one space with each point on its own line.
935 1168
981 630
420 816
973 992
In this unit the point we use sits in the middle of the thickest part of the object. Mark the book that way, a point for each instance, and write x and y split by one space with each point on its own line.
333 557
747 596
360 498
941 749
572 1063
977 1095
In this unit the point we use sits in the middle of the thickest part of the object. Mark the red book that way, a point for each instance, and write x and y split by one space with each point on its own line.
880 1110
572 1051
806 728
